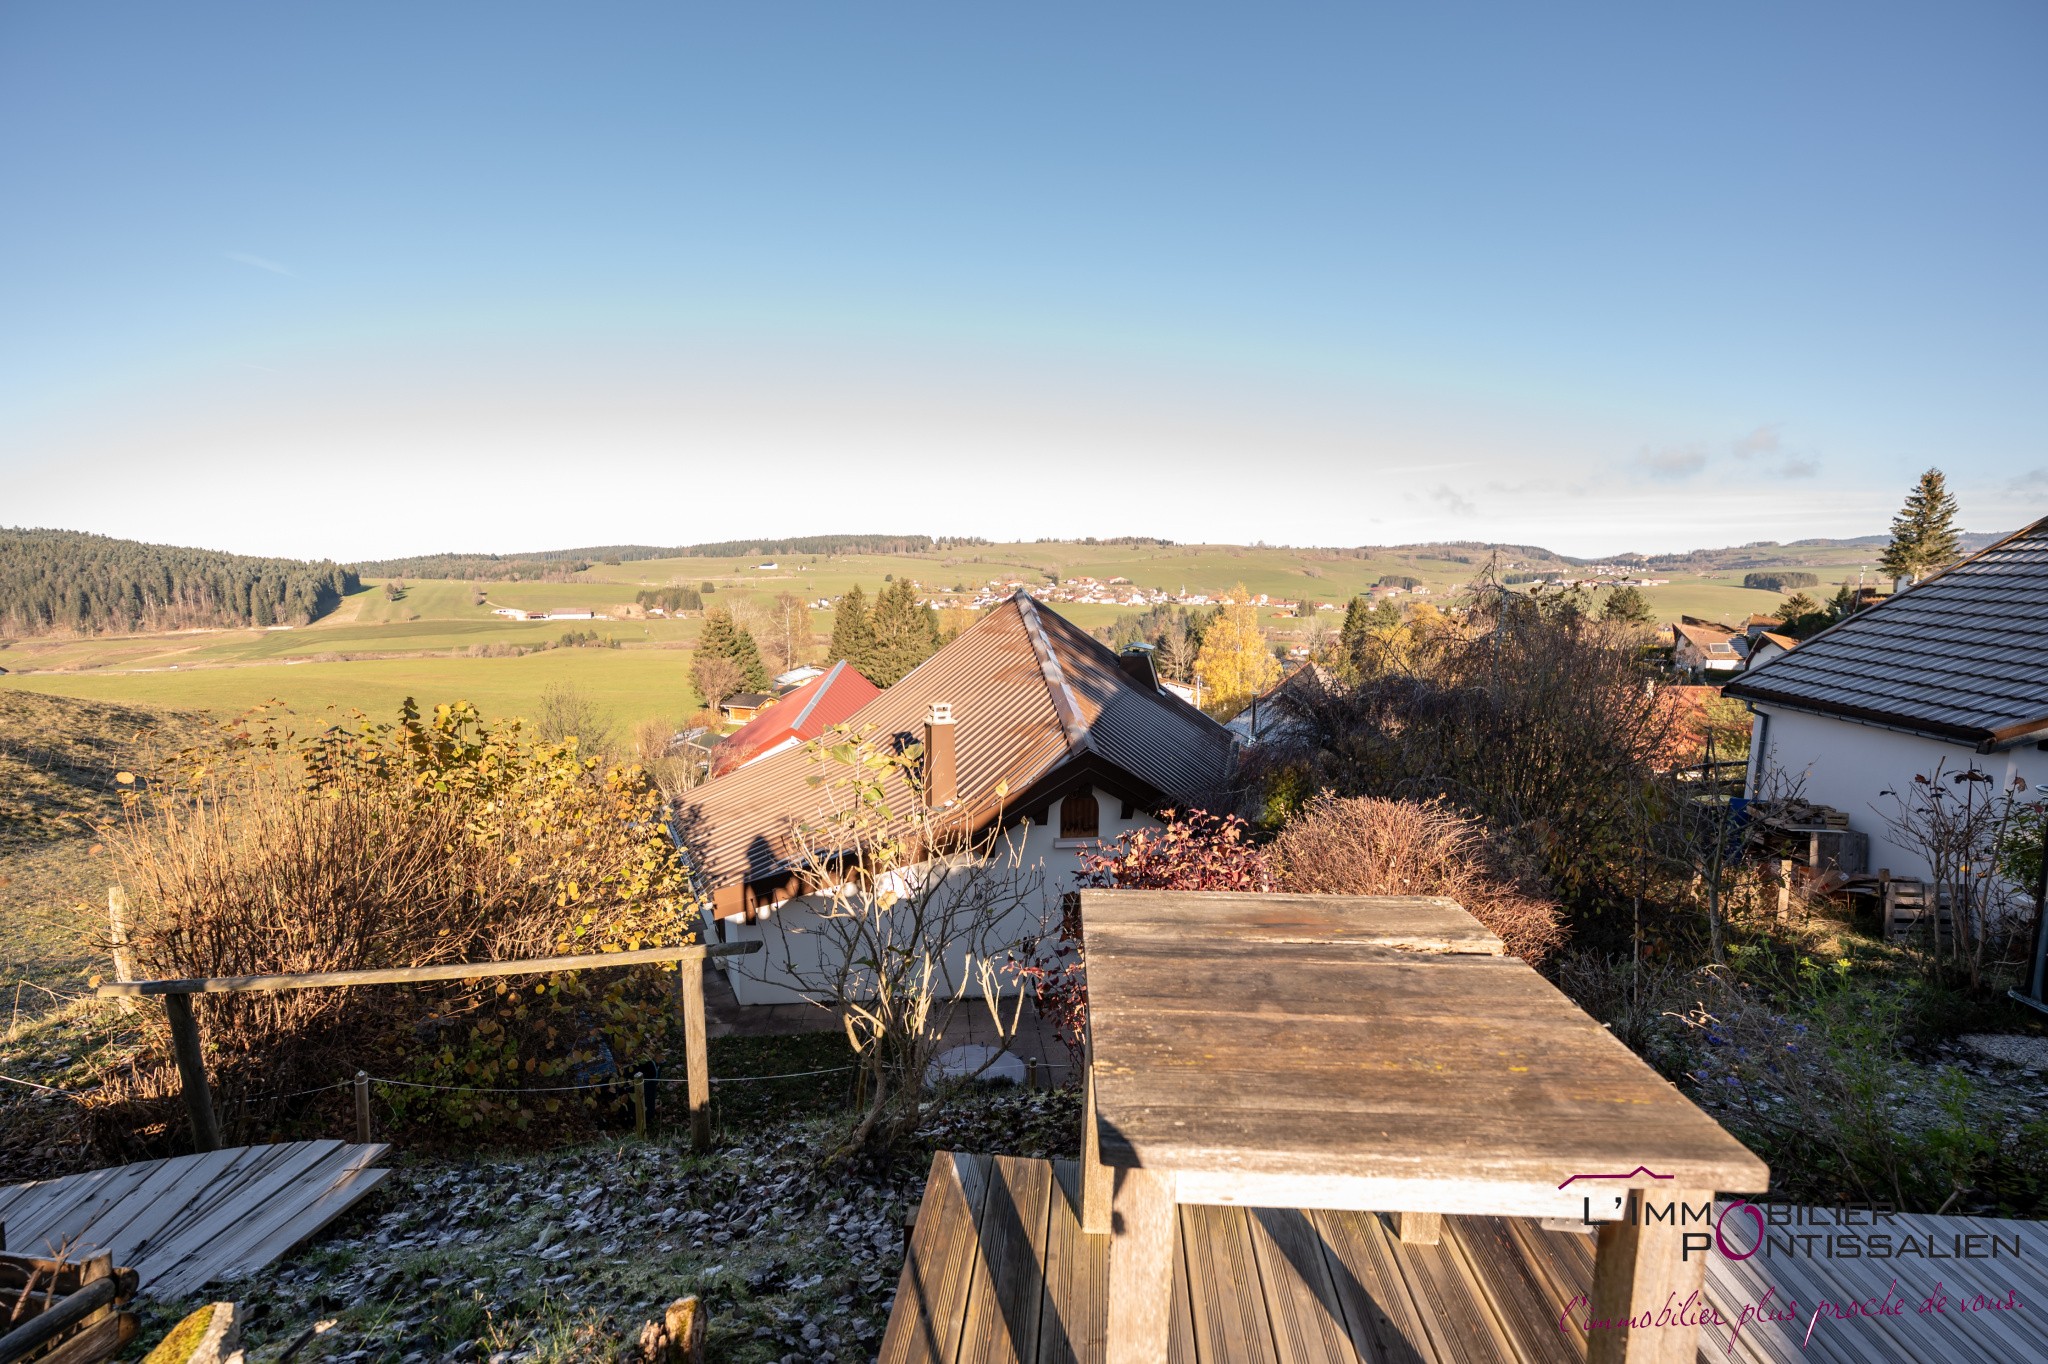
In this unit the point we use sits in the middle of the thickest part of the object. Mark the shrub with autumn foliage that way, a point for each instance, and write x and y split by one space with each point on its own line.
1194 850
1364 846
438 839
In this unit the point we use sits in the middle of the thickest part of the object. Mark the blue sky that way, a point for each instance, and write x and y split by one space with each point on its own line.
368 279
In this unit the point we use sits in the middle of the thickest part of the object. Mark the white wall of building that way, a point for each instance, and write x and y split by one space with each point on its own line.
1847 765
793 941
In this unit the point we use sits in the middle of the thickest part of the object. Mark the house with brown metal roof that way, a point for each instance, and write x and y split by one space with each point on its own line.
1031 726
1953 671
1704 649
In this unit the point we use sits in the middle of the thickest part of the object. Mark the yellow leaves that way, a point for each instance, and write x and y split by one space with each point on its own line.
125 778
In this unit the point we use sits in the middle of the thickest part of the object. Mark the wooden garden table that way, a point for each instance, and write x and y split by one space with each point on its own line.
1375 1054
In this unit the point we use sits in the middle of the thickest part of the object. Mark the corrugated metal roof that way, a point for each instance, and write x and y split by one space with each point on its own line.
1030 692
1962 656
805 713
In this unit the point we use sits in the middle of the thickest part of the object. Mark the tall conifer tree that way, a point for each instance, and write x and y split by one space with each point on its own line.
1924 538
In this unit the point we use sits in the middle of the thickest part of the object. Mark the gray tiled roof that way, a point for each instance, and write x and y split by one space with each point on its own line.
1963 656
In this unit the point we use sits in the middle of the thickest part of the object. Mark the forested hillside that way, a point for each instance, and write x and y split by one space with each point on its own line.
548 564
68 581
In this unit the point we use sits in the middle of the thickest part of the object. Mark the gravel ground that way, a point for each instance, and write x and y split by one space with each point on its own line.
562 1256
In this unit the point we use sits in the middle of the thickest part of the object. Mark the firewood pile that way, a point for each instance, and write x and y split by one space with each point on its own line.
63 1308
1793 813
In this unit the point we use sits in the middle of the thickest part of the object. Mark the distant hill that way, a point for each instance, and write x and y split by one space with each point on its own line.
545 564
55 581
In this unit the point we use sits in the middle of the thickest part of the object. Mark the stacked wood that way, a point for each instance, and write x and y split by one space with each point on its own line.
678 1338
63 1309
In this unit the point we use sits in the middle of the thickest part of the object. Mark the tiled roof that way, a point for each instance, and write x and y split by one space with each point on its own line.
1030 693
1962 656
827 699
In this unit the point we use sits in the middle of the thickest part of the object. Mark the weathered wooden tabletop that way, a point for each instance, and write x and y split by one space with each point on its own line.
1253 1044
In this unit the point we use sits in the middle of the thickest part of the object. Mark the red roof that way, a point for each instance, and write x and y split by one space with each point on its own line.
802 715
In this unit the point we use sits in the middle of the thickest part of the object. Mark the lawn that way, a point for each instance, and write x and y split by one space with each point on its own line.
628 685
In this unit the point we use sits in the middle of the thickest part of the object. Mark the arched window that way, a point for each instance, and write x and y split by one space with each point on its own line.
1080 816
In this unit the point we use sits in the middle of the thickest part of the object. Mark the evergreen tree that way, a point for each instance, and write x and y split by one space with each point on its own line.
1924 536
852 640
724 639
1355 636
905 632
1626 606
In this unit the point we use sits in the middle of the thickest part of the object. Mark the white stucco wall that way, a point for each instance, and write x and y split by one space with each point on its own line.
792 943
1846 765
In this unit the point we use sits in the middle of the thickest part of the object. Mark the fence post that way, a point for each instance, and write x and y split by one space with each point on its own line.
1031 1073
363 1134
640 1105
192 1072
692 972
117 922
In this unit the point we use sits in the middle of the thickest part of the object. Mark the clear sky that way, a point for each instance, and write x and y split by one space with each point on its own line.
358 279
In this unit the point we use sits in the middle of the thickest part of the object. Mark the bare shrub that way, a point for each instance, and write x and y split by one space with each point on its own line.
420 843
917 910
1367 846
1959 822
566 713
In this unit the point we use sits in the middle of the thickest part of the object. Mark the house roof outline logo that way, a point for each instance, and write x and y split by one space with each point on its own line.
1639 1170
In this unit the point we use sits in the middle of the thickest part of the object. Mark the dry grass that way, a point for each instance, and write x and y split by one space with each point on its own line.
1365 846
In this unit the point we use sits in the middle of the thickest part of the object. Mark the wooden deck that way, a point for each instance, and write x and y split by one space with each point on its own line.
1000 1272
189 1221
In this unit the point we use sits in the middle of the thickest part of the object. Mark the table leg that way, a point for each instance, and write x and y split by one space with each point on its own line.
1420 1228
1095 1176
1141 1252
1642 1268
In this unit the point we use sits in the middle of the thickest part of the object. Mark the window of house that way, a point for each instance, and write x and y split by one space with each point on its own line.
1080 816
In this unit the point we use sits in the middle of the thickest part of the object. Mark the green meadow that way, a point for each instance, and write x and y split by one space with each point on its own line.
440 641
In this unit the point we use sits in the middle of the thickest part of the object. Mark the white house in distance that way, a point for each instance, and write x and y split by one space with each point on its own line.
1052 737
1951 672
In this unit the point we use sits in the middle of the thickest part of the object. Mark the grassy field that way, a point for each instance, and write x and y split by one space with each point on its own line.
432 641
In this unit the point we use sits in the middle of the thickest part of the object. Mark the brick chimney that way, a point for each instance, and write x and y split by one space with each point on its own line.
1137 665
941 770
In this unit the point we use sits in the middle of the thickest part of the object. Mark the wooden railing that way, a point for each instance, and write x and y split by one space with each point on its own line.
177 997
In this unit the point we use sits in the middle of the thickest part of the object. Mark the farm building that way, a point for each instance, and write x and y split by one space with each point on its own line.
1947 674
1055 742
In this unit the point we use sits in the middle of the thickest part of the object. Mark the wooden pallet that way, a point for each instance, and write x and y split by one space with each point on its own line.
1907 916
189 1221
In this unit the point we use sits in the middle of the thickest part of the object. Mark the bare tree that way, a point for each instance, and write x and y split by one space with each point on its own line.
917 912
1958 822
789 638
718 678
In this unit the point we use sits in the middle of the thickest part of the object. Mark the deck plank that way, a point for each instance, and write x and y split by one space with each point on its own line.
1301 1298
1521 1299
1073 1321
939 1270
1454 1309
1006 1296
1380 1314
1228 1302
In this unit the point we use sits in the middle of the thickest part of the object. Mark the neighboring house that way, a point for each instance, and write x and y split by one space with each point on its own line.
1761 624
1702 649
742 707
1766 645
830 697
796 677
1053 738
1953 672
1278 713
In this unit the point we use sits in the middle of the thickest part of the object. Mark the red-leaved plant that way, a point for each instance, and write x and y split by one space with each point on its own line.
1194 850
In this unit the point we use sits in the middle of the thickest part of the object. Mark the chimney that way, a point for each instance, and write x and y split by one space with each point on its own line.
941 772
1136 662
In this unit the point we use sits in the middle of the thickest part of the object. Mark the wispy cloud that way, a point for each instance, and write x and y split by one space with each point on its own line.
1448 498
259 263
2032 481
1765 440
1672 462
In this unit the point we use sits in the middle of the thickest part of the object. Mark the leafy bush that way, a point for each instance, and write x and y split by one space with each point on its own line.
1363 846
429 841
